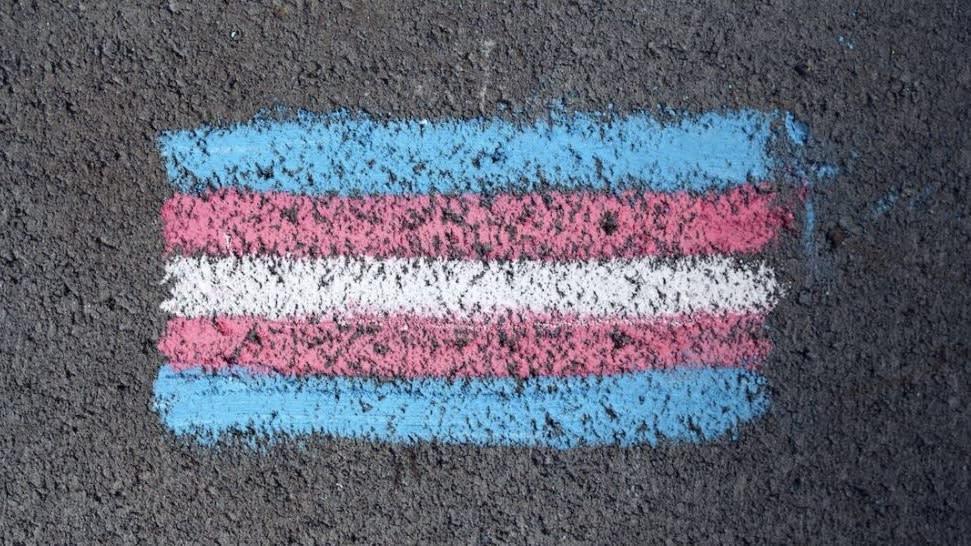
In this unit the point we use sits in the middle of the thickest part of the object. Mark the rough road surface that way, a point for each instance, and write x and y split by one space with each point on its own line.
869 431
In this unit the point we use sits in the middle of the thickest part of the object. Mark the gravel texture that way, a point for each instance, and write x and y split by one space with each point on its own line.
869 430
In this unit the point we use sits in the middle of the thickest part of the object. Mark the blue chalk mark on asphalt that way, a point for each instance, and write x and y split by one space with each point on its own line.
645 407
889 200
797 130
883 205
850 44
344 154
826 172
809 229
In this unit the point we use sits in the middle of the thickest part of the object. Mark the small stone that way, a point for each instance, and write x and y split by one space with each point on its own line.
805 298
836 235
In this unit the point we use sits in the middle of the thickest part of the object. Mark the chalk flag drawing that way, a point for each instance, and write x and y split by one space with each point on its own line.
585 279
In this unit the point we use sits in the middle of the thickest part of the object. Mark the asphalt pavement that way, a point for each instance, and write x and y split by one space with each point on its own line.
869 429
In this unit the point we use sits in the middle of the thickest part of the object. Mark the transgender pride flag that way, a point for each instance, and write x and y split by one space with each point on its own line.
581 280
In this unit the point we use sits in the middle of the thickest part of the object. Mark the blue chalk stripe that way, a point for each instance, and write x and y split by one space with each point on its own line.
645 407
342 154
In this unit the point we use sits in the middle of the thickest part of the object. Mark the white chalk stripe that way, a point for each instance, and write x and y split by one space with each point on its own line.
280 287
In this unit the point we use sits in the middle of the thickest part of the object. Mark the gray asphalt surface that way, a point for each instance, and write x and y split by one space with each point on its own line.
869 434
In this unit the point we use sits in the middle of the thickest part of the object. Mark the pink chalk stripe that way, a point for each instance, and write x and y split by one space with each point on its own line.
509 344
554 226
